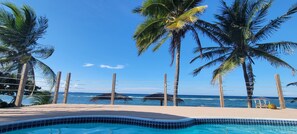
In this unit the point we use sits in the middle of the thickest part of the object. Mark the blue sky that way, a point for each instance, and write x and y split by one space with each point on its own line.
93 40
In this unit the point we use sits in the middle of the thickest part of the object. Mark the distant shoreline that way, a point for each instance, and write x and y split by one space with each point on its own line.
184 95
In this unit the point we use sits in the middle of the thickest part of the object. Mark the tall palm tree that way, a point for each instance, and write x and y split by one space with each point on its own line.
167 19
240 28
20 29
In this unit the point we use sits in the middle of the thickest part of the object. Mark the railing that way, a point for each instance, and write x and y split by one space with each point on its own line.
138 99
142 88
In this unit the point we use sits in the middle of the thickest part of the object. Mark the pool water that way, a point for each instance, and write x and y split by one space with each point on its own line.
106 128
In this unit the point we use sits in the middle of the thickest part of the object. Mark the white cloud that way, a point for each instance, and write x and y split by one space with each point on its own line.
112 67
88 65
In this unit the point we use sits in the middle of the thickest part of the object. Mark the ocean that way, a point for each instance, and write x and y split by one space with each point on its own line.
189 100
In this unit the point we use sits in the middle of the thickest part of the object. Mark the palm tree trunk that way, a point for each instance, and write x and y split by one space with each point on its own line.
177 43
18 76
247 84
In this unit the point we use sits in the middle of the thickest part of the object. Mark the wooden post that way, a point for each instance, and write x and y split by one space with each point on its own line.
165 90
58 78
66 88
113 89
22 85
280 92
222 104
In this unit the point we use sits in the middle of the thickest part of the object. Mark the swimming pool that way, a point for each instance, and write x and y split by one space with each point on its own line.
122 124
107 128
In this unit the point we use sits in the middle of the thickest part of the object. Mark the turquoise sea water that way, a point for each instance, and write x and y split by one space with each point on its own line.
104 128
189 100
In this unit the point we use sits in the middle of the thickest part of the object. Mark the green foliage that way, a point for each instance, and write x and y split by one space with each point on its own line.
167 19
42 97
9 84
3 104
20 29
163 18
238 29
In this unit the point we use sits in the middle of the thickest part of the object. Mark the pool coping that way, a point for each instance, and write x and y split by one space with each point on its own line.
146 119
149 114
138 121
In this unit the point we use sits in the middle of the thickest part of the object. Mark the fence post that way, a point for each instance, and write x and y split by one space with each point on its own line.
58 78
165 89
280 92
66 88
22 85
222 104
113 89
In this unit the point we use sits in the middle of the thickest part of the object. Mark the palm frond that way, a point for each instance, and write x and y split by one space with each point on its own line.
204 49
274 61
43 52
228 65
161 42
212 53
31 78
148 33
212 31
4 60
209 64
259 16
41 29
253 9
48 73
29 25
137 10
185 18
292 84
19 19
275 24
153 8
189 4
9 67
173 46
4 49
11 37
6 18
286 47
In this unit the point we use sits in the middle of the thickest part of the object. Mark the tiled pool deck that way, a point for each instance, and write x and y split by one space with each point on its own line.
151 112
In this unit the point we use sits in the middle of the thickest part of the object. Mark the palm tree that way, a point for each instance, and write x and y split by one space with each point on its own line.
167 19
239 28
20 29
